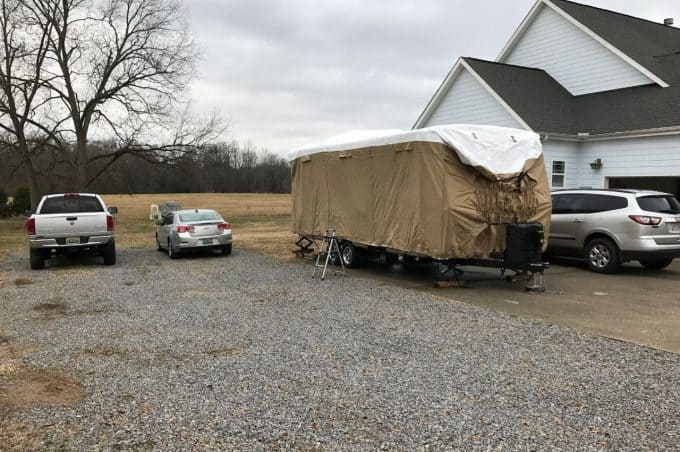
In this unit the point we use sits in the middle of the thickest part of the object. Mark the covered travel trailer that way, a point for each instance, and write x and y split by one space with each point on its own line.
446 192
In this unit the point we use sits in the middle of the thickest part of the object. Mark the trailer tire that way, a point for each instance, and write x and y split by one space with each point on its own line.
351 256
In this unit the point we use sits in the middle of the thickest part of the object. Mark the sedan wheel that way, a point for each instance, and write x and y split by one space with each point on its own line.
602 256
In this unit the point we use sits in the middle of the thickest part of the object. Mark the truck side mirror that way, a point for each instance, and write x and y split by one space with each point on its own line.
28 213
113 210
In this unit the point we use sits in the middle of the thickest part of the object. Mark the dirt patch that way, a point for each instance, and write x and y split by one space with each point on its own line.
22 385
30 387
51 309
22 282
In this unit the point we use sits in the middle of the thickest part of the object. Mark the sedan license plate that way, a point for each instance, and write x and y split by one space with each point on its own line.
72 240
207 242
673 227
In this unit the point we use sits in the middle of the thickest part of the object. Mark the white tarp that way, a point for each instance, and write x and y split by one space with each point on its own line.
500 150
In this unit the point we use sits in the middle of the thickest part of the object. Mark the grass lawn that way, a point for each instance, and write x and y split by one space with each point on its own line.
260 222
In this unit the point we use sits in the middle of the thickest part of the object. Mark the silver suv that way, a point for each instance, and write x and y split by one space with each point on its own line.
610 227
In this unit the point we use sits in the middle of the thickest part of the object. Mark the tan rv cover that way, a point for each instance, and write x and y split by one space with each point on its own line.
445 191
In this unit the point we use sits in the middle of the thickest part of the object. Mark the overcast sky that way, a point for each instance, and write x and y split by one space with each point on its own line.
290 72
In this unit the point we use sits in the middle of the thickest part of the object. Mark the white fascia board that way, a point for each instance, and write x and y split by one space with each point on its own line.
495 95
530 18
643 133
438 95
519 32
662 131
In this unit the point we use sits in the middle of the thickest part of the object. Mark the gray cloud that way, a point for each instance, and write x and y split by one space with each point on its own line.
291 72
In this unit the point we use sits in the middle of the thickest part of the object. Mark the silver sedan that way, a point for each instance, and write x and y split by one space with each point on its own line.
195 229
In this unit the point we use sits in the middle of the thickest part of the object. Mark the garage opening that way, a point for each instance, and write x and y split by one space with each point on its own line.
664 184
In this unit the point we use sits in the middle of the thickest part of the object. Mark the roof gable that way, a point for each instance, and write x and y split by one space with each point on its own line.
646 42
568 11
440 95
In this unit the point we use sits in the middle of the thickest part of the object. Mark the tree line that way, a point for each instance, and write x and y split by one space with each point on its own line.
221 167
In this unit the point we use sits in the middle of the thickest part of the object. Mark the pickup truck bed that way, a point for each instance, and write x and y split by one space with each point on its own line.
72 222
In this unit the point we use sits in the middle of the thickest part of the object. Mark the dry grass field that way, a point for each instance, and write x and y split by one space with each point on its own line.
260 222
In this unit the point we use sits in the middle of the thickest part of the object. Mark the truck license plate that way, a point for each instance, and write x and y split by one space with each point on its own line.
206 242
72 240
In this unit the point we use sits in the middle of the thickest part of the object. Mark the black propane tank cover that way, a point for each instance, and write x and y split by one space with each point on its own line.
524 244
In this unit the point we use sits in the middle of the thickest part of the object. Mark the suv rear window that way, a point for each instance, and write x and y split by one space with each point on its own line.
659 204
71 204
587 203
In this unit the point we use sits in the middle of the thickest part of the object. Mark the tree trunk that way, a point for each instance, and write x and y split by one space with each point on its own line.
33 184
81 164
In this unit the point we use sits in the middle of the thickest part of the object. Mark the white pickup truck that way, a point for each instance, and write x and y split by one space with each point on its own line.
71 222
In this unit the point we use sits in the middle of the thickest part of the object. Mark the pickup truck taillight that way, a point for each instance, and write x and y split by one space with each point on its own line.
109 223
30 226
223 226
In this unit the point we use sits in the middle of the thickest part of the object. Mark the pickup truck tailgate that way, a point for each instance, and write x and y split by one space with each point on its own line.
71 224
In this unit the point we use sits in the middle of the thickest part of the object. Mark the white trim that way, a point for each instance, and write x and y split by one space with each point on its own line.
436 99
663 131
520 31
532 15
495 95
446 85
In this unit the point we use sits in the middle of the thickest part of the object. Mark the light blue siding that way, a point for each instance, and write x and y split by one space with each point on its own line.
567 152
631 157
467 102
578 62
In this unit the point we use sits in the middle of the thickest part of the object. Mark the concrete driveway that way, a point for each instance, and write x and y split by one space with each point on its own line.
635 305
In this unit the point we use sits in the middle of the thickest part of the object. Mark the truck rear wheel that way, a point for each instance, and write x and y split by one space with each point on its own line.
110 253
37 259
351 256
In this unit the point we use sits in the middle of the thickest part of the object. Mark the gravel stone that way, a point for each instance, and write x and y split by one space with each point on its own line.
247 352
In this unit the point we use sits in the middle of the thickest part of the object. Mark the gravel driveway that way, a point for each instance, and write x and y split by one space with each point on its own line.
245 352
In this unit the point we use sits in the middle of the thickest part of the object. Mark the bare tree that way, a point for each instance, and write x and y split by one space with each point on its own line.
121 68
22 55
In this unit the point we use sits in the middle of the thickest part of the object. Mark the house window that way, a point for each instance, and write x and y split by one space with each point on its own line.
558 169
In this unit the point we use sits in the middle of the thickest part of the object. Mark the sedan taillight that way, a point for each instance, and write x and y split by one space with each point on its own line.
30 226
645 220
183 228
223 226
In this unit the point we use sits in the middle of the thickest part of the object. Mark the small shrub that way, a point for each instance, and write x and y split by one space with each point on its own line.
4 208
22 201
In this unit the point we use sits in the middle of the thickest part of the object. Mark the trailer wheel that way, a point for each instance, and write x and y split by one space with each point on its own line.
351 256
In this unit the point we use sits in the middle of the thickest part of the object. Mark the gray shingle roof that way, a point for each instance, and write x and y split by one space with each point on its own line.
646 42
548 107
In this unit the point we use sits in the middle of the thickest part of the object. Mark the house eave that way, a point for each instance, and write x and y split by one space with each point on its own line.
641 133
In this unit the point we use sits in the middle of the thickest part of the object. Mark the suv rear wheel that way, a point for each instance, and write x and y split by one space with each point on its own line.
602 256
656 264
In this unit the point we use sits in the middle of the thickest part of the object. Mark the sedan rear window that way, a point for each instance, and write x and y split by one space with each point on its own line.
659 204
198 216
71 204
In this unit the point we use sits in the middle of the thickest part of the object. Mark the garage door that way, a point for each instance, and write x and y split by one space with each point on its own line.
664 184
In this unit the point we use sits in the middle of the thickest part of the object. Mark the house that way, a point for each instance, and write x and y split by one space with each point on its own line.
602 88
